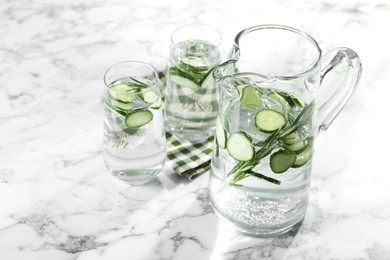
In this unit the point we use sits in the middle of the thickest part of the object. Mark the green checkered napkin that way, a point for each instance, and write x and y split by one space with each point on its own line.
188 159
183 157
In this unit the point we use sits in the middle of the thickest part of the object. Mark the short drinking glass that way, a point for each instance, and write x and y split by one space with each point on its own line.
191 96
134 140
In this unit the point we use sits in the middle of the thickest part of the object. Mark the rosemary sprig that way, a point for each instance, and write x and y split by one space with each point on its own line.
244 169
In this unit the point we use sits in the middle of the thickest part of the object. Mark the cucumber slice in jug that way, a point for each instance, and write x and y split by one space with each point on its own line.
240 88
138 118
240 146
251 96
294 142
282 160
220 134
297 146
278 98
292 99
303 156
268 120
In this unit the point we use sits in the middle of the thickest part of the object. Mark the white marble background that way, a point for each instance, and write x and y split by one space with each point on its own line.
58 202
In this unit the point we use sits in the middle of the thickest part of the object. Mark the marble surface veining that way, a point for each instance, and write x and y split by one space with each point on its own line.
57 200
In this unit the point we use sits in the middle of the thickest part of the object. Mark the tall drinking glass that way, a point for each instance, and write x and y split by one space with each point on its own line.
134 140
191 96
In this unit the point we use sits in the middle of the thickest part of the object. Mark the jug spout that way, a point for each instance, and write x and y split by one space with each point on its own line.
224 70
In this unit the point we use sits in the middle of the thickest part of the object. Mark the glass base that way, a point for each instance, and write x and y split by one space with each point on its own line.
258 232
192 135
135 177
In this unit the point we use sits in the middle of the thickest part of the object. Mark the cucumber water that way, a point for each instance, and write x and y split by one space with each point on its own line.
191 96
261 172
134 143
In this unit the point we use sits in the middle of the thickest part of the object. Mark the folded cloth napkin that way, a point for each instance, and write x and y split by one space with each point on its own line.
188 159
183 157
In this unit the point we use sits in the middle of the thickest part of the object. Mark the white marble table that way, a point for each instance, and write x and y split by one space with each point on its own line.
57 200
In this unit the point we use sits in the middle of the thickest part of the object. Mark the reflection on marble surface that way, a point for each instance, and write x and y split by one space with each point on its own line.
58 201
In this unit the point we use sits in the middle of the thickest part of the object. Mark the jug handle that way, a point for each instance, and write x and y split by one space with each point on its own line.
329 109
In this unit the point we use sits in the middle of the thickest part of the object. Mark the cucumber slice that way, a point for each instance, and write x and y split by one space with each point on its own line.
149 97
196 63
220 134
240 88
123 92
294 142
158 103
292 99
240 147
138 118
297 146
183 79
268 120
303 156
278 98
116 104
282 160
251 96
109 104
183 82
292 138
208 79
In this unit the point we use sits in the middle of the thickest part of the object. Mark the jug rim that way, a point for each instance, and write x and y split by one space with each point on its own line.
316 62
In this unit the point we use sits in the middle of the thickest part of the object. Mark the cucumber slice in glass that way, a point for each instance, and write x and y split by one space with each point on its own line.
268 120
240 147
123 92
208 80
196 63
138 118
158 103
109 104
116 104
149 97
282 160
183 79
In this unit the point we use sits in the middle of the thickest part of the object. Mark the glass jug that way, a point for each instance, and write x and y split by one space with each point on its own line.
275 96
